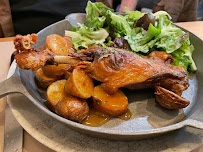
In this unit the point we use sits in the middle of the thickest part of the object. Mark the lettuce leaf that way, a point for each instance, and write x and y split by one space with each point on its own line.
159 13
141 41
102 26
95 22
132 16
92 32
117 25
96 9
171 37
183 56
175 41
100 34
165 36
95 15
86 36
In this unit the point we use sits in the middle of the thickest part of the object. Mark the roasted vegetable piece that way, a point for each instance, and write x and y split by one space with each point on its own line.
59 44
72 108
66 105
79 84
55 93
169 99
42 80
56 71
112 105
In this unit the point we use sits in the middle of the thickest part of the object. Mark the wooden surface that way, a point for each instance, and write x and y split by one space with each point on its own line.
194 27
7 39
6 49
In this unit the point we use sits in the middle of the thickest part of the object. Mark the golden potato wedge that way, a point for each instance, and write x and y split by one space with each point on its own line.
66 105
55 71
72 108
112 105
55 93
169 99
58 44
42 80
79 84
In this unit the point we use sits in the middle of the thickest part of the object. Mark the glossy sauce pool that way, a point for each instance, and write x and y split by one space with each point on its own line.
97 118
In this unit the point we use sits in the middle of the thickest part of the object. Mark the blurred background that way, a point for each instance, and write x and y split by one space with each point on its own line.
30 16
176 8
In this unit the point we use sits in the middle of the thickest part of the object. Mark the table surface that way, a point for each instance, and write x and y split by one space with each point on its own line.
6 49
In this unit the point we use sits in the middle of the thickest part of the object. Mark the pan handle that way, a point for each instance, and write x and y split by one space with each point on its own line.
11 85
196 119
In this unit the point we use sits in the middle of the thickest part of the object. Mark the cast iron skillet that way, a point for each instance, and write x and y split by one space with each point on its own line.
148 119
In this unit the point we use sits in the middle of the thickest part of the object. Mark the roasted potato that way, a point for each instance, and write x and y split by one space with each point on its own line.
56 71
169 99
55 93
42 80
59 44
112 105
72 108
66 105
67 75
79 84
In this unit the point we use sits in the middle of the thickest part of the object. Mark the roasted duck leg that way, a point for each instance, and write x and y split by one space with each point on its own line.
118 68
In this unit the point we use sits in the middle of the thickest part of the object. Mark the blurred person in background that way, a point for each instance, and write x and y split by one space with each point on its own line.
180 10
200 11
137 4
6 25
30 16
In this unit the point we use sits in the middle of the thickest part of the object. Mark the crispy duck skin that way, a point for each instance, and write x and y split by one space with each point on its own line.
33 59
27 57
117 68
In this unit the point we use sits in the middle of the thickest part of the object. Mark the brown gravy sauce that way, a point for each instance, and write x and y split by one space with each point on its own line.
126 116
97 118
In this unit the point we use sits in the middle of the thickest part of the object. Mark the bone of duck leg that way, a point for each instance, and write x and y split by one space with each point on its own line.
29 58
33 59
24 43
169 99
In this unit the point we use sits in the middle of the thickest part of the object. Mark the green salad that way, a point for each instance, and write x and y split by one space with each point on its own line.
144 33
